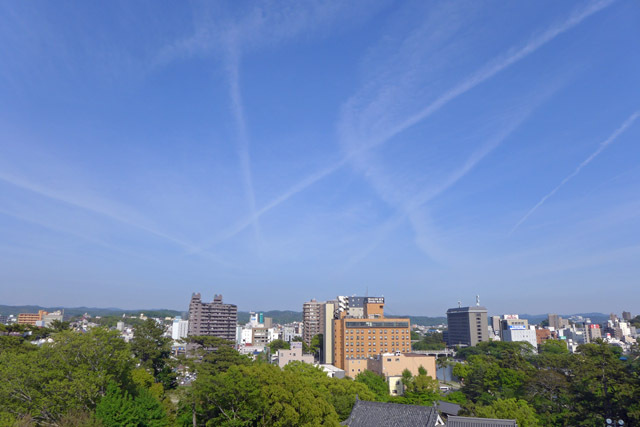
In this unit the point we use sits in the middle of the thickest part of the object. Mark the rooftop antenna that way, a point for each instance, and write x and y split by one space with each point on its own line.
459 304
478 300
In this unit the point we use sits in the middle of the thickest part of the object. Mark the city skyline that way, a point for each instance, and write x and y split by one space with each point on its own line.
279 152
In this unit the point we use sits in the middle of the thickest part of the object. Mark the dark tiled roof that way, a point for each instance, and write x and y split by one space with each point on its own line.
381 414
448 408
479 422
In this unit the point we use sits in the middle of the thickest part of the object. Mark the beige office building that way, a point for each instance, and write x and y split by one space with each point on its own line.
362 338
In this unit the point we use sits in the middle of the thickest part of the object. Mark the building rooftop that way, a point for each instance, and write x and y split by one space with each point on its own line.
454 421
382 414
448 408
467 309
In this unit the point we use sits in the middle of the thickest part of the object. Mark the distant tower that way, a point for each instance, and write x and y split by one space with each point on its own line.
478 300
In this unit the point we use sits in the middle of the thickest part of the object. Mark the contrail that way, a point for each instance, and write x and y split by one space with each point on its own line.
604 144
492 69
479 77
108 213
242 137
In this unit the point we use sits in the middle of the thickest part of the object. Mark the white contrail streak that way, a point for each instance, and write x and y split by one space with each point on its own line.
479 77
493 68
242 137
604 144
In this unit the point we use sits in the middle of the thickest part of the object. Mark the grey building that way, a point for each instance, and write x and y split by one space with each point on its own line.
212 318
454 421
383 414
467 326
312 313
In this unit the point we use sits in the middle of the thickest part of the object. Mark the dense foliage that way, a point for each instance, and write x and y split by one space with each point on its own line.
552 388
431 341
97 379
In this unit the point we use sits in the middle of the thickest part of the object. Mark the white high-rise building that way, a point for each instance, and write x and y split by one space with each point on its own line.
179 328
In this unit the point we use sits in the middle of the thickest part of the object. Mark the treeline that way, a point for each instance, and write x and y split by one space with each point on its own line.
91 311
96 379
430 341
552 388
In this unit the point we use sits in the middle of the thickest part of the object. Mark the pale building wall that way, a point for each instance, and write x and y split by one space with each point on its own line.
393 364
295 353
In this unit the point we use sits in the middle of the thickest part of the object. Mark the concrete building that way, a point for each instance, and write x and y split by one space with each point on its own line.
214 318
332 371
513 329
295 353
311 317
467 326
260 337
593 332
626 316
328 313
368 336
179 328
542 335
49 318
393 364
30 318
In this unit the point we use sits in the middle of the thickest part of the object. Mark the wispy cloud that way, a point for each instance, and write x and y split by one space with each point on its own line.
412 208
354 142
100 207
604 144
242 139
52 227
483 74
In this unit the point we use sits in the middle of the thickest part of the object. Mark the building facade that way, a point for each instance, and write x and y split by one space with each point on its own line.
362 338
311 317
214 319
179 328
467 326
393 364
293 354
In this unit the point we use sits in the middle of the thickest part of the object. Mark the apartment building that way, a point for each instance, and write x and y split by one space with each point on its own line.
312 312
213 319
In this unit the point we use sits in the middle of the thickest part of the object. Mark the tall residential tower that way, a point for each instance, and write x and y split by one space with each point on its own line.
212 318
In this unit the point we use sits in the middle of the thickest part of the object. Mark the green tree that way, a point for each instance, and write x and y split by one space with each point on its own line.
142 379
554 347
375 383
149 410
511 409
431 341
276 345
153 349
69 374
116 408
59 326
420 389
220 360
261 395
340 393
317 345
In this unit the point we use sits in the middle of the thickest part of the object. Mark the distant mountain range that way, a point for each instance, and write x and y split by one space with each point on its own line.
278 316
91 311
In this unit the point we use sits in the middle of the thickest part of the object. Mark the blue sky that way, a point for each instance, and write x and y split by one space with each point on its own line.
280 151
